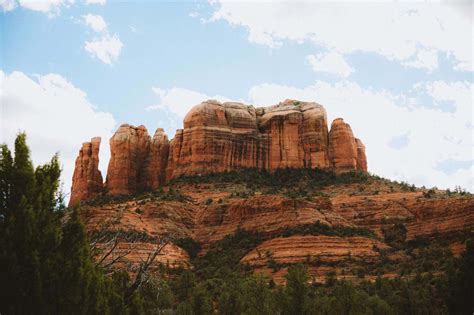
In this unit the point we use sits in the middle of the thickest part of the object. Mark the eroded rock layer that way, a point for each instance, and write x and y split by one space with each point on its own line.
229 136
87 179
212 211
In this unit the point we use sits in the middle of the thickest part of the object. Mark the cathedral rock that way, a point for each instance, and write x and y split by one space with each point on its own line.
220 137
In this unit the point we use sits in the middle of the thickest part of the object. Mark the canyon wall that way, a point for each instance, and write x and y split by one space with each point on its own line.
220 137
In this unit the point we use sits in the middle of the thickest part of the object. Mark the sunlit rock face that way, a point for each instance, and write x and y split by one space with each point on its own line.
87 180
343 147
229 136
219 137
129 159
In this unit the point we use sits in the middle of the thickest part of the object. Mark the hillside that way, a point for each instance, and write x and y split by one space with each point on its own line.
276 199
355 224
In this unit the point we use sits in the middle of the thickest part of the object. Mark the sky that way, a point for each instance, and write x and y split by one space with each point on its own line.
400 73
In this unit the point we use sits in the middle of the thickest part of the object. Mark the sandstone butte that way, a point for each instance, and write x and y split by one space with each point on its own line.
220 137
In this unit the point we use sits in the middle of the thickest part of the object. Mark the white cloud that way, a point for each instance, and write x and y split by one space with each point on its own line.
179 101
106 48
51 7
424 59
430 136
96 22
378 116
7 5
101 2
330 62
399 31
56 115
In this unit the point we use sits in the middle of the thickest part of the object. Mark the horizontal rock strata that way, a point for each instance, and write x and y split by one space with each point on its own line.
230 136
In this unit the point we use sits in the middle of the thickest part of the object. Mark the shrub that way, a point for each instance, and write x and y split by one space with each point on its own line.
189 245
395 235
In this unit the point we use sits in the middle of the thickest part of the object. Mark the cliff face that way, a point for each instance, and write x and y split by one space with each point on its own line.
224 137
129 156
87 179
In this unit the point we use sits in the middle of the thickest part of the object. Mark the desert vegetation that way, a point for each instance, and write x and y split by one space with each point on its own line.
50 265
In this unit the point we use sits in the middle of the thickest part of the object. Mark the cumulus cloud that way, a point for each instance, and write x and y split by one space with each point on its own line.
179 101
95 22
424 59
56 115
411 33
8 5
106 48
331 63
51 7
174 103
378 116
407 137
101 2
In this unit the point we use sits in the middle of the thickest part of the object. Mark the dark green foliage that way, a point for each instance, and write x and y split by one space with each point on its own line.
395 235
429 193
296 291
155 195
318 228
189 245
460 283
46 265
293 182
45 260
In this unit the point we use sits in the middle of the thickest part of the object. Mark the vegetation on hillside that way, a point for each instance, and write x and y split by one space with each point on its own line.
47 265
220 282
45 260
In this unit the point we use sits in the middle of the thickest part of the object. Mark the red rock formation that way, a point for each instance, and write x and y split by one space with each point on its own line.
220 137
230 136
155 172
342 150
87 179
327 249
361 158
370 205
129 159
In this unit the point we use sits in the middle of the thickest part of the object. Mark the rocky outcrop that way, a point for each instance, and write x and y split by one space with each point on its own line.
342 147
213 210
230 136
219 137
87 179
361 157
327 249
129 160
155 171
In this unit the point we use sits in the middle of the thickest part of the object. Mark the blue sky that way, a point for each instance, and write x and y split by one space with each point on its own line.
400 74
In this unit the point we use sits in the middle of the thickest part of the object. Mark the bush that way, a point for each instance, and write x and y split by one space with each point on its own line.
189 245
395 235
318 228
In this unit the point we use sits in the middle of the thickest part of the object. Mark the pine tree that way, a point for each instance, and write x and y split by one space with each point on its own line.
45 261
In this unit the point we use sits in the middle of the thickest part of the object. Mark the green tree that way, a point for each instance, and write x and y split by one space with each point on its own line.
45 262
297 289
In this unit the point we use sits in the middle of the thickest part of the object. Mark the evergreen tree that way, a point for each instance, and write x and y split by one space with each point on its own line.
297 289
46 267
